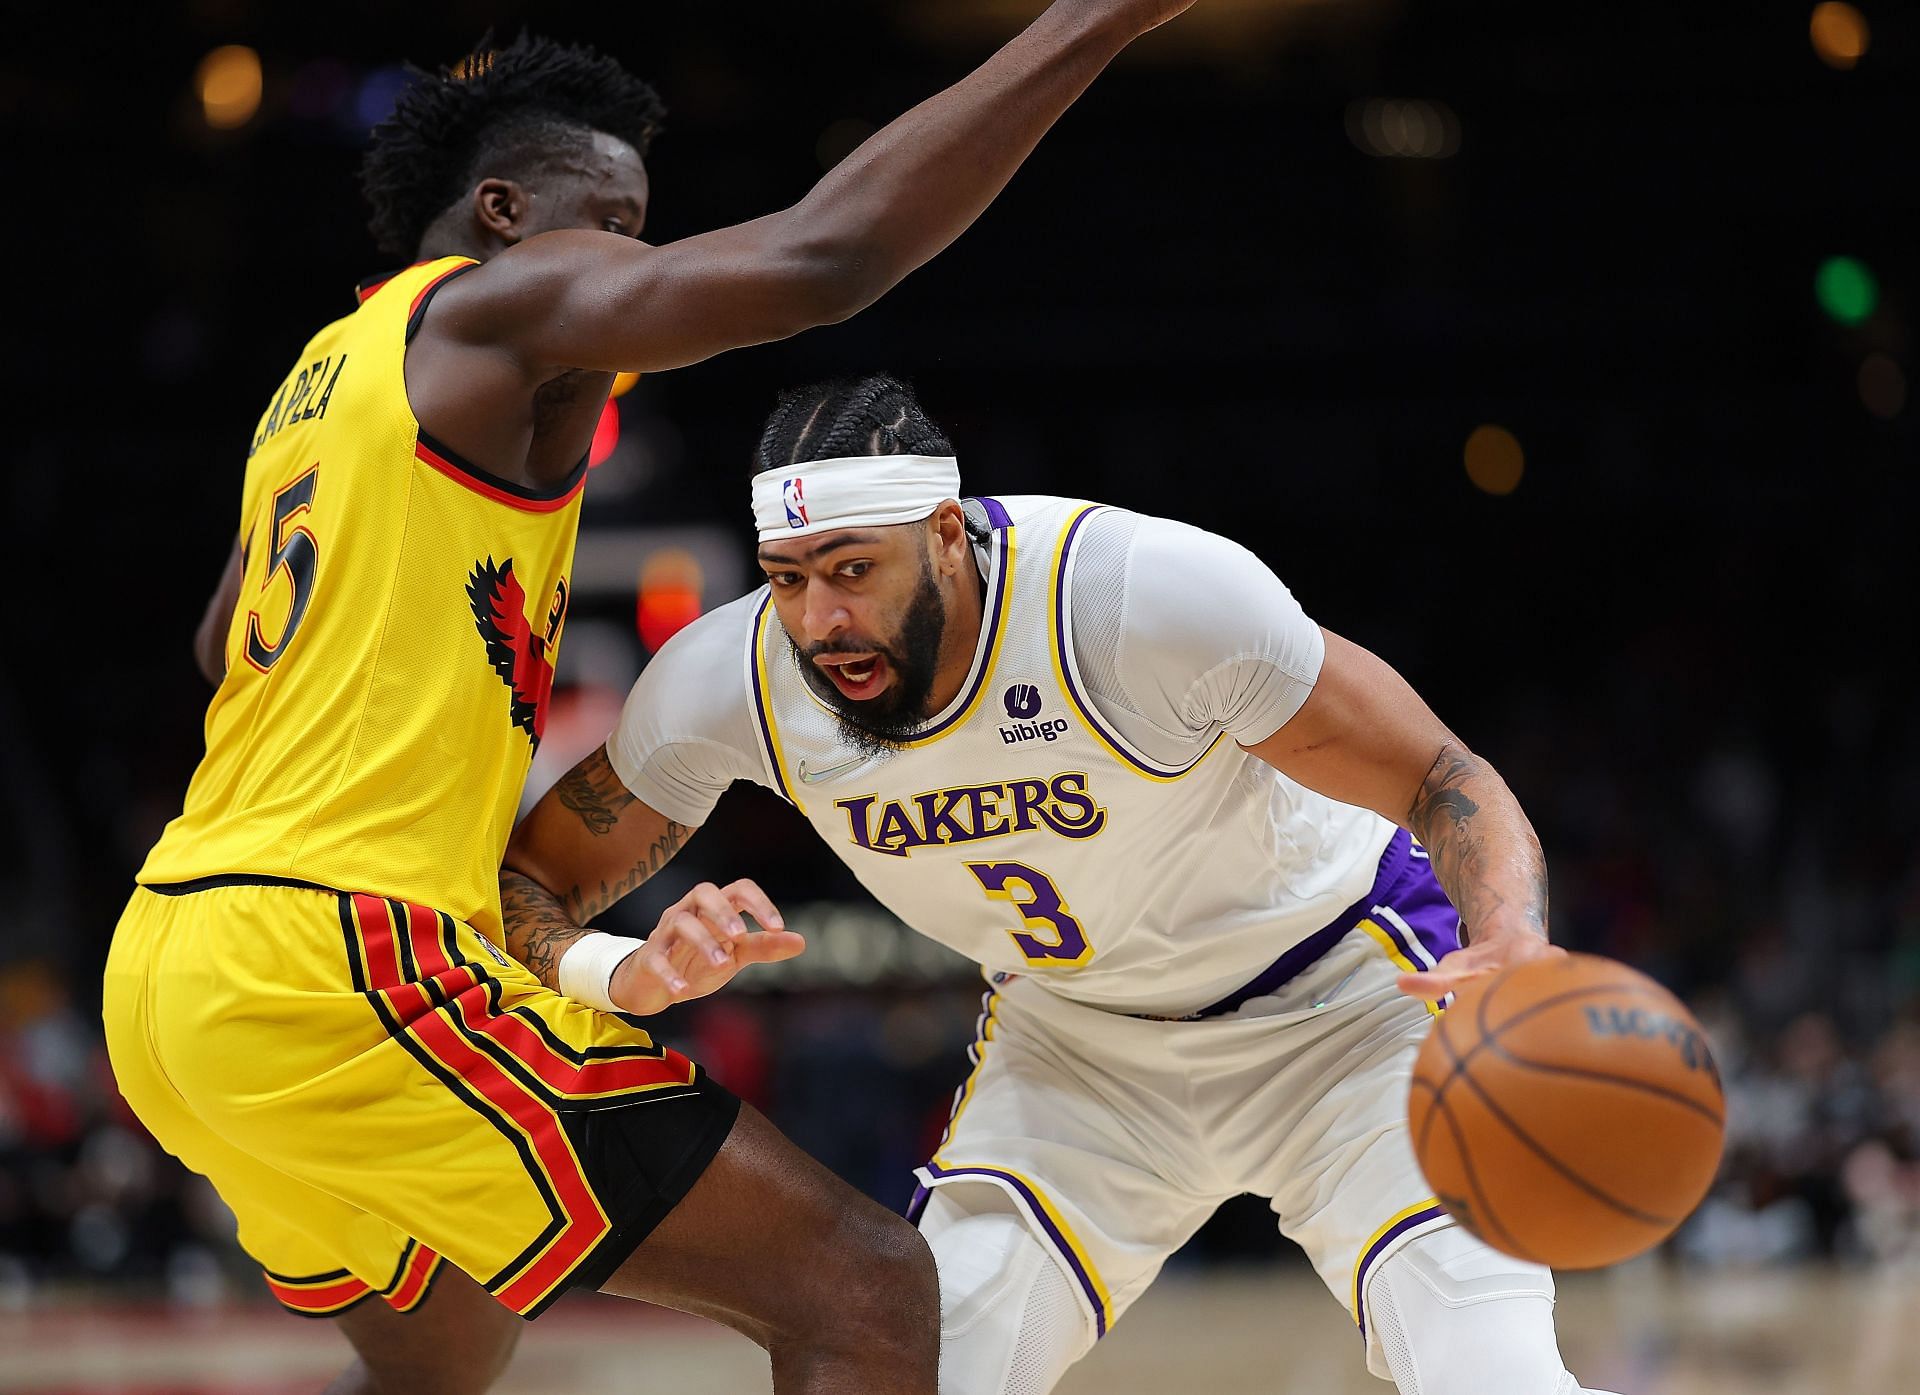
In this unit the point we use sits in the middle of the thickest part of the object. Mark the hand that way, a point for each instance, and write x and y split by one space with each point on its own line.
700 944
1478 960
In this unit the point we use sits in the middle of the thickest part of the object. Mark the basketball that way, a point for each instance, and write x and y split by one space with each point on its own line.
1568 1111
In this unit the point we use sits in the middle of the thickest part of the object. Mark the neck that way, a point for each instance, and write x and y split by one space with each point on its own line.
966 612
456 237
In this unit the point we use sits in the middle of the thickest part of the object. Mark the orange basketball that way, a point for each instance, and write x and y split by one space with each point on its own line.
1568 1111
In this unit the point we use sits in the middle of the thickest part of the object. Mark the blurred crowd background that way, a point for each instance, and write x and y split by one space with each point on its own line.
1558 354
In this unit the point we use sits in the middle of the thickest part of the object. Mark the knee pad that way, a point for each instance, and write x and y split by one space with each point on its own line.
1449 1315
1009 1321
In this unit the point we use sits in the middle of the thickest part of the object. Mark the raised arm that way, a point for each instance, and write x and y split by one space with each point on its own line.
1364 737
587 843
584 300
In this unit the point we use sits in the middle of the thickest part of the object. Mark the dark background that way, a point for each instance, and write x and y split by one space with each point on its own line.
1686 636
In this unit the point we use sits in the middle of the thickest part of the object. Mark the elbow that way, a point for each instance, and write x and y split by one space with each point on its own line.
834 278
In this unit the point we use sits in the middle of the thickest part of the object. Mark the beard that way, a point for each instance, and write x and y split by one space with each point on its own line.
884 724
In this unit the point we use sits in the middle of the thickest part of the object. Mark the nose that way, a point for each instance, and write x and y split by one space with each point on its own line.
823 616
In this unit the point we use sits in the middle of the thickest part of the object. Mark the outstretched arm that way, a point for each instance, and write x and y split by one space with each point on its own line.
1364 737
584 300
587 843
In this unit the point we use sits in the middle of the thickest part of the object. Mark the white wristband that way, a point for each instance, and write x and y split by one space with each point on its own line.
587 965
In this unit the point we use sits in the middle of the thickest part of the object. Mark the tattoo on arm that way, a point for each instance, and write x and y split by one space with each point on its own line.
538 927
1490 863
584 903
593 792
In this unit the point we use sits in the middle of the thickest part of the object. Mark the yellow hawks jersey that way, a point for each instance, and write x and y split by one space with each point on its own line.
391 655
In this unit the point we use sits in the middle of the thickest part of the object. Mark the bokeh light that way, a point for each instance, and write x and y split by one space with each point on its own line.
1846 289
1494 459
671 582
606 435
1839 33
1883 386
1404 129
228 83
623 383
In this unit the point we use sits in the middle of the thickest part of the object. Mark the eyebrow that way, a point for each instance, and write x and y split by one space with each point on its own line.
830 545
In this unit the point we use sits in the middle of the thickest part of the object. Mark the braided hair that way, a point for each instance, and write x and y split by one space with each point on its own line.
494 114
872 415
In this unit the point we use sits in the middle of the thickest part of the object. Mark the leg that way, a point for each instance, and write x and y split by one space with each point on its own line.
840 1291
1452 1316
1009 1320
456 1342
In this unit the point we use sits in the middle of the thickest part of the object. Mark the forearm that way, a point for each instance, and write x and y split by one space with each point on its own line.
587 843
538 928
912 188
1485 853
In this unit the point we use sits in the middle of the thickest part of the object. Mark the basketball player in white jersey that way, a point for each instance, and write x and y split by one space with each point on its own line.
1197 844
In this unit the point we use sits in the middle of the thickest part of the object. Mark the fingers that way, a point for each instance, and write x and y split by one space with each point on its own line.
747 896
769 946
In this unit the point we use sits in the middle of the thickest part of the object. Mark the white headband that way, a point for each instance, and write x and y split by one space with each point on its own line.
856 491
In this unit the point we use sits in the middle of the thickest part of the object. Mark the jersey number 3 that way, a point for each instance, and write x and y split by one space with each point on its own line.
295 551
1052 936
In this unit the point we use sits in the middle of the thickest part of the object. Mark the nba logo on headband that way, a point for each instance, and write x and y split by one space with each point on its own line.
796 506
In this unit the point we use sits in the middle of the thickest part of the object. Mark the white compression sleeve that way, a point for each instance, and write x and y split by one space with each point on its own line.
1449 1315
1009 1321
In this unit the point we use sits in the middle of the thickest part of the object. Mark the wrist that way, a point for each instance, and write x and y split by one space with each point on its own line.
586 968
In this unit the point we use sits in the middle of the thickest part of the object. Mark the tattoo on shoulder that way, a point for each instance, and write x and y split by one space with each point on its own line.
594 793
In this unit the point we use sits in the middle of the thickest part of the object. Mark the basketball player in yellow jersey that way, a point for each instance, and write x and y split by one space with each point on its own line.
310 998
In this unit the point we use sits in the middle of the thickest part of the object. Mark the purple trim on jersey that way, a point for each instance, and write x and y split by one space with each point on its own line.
1038 1213
754 669
965 705
1426 910
997 515
1404 882
1431 1213
1085 708
918 1205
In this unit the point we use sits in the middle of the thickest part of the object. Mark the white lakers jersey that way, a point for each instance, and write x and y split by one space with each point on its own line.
1082 813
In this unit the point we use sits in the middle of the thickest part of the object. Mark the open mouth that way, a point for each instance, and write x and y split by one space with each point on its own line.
858 677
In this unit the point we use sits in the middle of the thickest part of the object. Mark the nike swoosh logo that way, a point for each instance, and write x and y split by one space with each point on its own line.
814 777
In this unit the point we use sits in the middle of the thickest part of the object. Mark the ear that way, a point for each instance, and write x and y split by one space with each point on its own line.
952 549
500 208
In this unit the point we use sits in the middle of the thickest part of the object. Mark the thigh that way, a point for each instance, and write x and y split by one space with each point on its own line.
1344 1181
769 1242
1077 1124
458 1340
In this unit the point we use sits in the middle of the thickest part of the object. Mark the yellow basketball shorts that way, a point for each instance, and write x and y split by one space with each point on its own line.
374 1088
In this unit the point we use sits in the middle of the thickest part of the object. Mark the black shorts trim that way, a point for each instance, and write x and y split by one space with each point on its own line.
233 879
641 1162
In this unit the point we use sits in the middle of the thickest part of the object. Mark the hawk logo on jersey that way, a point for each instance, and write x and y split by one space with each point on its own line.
971 813
796 506
523 659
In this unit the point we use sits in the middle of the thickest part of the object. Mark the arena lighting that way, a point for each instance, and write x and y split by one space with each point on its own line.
228 84
669 596
606 435
1839 33
1494 459
1883 386
1846 289
623 383
1403 128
